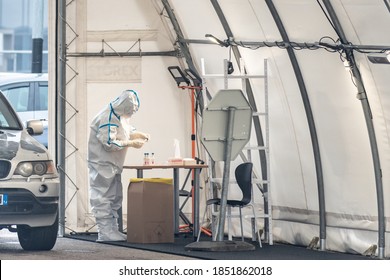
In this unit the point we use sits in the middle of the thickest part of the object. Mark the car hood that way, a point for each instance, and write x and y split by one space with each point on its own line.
20 145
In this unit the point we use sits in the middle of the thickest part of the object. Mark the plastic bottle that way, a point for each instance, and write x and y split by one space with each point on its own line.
152 159
146 159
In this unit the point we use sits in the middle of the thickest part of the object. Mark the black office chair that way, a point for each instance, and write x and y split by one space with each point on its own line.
243 174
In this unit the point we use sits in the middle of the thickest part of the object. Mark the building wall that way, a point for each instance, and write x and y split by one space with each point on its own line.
17 18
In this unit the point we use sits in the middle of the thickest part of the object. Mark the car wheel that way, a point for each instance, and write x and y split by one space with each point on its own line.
39 238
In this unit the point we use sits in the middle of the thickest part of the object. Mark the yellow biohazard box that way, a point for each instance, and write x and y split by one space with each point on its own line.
150 211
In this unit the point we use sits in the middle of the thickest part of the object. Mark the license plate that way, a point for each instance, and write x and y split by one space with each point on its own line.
3 199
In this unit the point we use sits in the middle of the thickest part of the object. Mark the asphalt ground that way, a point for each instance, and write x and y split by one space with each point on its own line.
77 259
72 249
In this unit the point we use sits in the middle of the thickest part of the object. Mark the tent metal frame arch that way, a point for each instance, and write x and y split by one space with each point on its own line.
362 96
311 124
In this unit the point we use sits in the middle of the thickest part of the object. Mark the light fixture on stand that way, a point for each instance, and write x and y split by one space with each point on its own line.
178 75
192 83
196 80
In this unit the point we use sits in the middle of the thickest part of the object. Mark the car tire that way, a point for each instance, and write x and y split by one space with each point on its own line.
39 238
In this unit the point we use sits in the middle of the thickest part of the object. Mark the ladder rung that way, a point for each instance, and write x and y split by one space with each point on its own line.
258 216
261 181
256 148
259 114
232 181
219 180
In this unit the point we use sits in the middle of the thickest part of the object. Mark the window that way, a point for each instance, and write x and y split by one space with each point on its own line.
7 117
41 98
18 97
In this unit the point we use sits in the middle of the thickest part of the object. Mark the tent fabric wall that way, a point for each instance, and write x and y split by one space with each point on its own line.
346 157
87 92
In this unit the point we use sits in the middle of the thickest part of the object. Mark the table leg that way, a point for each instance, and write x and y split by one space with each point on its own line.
120 220
196 203
176 207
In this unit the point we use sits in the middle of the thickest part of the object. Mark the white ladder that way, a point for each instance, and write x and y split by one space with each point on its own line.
263 184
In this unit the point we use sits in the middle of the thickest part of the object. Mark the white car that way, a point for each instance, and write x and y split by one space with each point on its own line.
29 183
28 95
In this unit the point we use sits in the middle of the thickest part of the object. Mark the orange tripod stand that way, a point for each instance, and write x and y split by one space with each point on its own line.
193 143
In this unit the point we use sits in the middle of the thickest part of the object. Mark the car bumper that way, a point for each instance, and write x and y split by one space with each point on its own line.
29 206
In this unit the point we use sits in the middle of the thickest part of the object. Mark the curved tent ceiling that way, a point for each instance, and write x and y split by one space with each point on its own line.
329 105
309 44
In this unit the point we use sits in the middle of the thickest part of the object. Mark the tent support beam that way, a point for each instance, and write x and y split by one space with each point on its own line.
61 106
311 123
362 96
124 54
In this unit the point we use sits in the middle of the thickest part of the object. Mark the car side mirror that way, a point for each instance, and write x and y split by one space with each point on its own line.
34 127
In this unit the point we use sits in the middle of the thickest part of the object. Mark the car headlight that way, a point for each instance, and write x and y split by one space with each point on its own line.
29 168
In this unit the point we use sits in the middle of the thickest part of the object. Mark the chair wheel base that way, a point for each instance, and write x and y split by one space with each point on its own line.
220 246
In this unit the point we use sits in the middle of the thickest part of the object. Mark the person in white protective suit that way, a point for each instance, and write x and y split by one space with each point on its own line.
109 139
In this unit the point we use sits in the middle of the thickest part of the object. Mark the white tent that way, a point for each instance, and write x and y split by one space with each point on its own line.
329 105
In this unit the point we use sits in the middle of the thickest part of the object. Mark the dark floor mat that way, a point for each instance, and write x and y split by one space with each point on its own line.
267 252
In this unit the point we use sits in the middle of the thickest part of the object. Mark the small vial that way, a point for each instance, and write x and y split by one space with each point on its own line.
146 159
152 159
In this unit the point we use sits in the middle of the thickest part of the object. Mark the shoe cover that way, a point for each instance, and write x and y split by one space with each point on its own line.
115 228
111 236
106 231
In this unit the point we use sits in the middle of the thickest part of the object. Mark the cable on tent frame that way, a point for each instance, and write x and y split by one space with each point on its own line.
335 47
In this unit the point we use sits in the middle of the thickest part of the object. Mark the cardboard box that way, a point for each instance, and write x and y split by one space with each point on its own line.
150 211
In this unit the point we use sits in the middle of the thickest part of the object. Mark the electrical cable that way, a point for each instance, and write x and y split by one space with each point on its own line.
327 17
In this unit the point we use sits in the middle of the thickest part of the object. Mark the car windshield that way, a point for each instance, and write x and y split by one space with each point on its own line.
8 118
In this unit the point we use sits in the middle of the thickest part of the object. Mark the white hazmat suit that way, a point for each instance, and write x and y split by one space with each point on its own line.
109 139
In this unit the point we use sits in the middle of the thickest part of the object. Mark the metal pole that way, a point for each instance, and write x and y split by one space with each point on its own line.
310 122
37 37
61 106
362 96
176 199
124 54
195 220
226 173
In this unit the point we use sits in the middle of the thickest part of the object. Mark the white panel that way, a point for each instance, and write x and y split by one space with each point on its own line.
122 35
114 69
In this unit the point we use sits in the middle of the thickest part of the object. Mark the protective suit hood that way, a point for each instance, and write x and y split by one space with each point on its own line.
126 104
